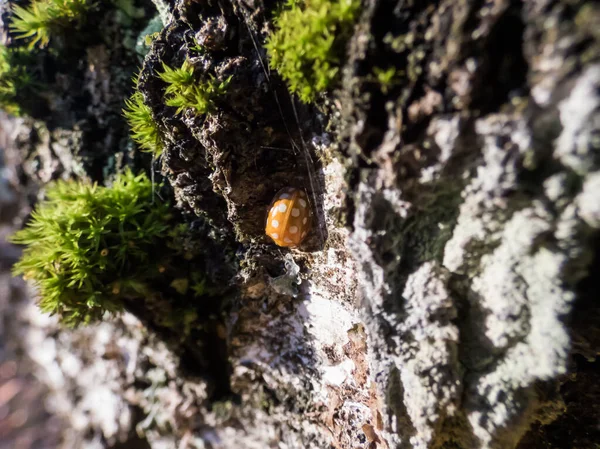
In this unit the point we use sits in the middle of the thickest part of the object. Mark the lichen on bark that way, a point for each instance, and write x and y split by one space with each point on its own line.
446 296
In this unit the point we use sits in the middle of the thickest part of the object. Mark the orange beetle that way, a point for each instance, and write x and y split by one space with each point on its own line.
289 217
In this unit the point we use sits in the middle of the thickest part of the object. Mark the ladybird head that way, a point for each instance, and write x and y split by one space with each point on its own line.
289 218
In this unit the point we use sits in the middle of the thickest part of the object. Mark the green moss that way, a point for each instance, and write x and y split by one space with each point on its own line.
183 91
44 18
386 78
90 248
308 41
14 79
415 64
400 43
144 130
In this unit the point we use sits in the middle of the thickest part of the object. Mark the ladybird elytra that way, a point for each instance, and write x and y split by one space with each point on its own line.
288 220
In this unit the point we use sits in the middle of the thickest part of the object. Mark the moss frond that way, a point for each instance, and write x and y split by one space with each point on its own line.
144 130
385 77
44 18
306 46
88 247
183 91
14 79
175 78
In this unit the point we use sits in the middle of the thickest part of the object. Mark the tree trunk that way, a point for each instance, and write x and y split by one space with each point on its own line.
447 295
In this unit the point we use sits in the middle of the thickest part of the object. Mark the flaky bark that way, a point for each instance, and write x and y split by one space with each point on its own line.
447 295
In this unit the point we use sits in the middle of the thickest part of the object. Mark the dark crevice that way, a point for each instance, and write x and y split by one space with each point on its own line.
202 352
584 323
133 441
393 20
569 416
504 70
395 402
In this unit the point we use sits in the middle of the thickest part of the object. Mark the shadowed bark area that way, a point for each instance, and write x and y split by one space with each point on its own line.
447 294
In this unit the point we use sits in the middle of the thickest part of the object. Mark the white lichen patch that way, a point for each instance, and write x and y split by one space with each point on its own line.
588 201
502 289
580 119
428 356
444 132
328 321
481 213
515 258
86 370
524 299
332 271
335 185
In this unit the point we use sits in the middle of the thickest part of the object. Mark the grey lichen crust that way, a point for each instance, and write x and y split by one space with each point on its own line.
467 310
456 225
164 10
428 352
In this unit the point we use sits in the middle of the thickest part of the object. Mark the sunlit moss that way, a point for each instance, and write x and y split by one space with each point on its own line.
308 42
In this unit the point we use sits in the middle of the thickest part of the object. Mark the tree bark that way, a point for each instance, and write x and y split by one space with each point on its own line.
447 296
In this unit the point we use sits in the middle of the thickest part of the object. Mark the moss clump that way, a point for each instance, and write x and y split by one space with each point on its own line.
91 248
14 79
386 78
44 18
144 130
183 91
306 46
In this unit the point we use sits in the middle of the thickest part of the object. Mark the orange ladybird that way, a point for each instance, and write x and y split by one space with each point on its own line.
288 220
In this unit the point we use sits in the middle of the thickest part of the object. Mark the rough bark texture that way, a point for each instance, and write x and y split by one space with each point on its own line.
447 297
